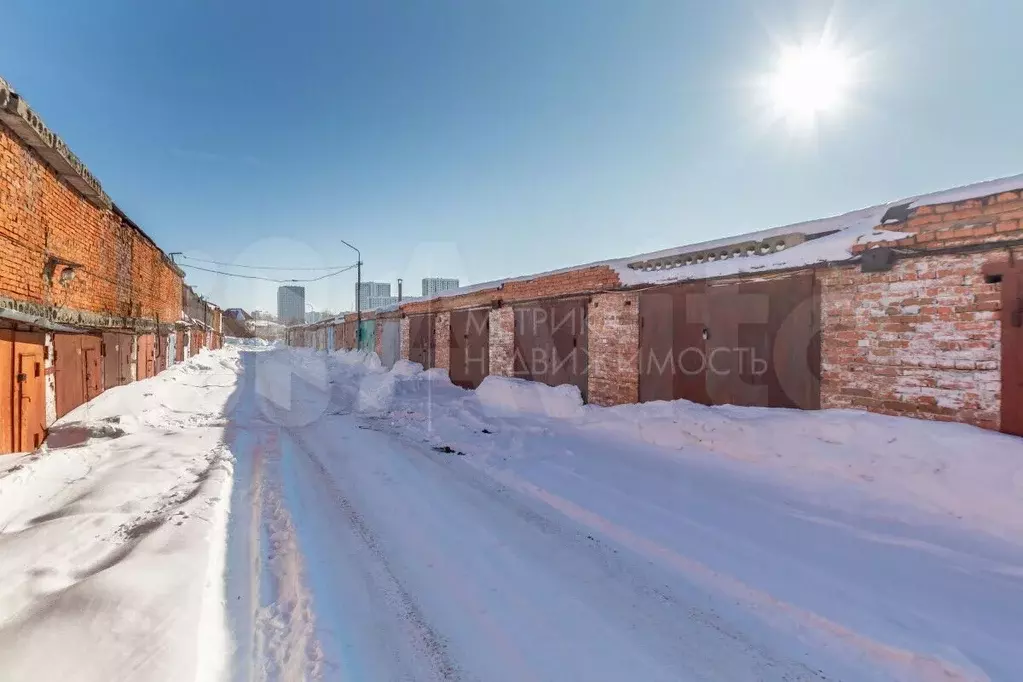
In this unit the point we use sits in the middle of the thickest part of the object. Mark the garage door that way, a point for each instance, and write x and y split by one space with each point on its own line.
551 343
470 347
390 342
22 391
753 343
420 339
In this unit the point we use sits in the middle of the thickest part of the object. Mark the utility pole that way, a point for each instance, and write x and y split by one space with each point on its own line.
358 293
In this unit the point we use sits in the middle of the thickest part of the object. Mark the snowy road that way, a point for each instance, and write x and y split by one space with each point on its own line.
424 542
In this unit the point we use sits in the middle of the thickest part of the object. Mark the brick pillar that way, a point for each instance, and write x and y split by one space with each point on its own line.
404 338
378 341
613 331
442 341
502 341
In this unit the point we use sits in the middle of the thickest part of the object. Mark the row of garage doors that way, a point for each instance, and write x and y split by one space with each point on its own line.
84 365
754 343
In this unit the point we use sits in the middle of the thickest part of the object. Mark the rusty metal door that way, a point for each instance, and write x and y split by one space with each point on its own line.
22 391
69 372
160 350
672 348
753 343
1012 350
125 343
420 339
144 357
551 343
30 400
92 361
111 360
470 347
179 347
8 374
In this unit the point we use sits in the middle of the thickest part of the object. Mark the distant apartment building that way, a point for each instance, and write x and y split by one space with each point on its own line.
291 305
435 285
374 295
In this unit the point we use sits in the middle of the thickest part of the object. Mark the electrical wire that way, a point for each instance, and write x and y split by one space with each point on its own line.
255 267
270 279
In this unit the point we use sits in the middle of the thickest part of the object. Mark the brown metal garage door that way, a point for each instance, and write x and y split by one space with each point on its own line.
161 353
146 357
470 347
420 339
551 343
92 356
78 370
22 391
754 343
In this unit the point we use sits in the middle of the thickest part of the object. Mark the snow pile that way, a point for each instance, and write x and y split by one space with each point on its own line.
376 392
251 343
951 469
507 395
113 543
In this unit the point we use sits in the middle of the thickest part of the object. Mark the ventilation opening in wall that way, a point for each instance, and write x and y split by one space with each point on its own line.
993 279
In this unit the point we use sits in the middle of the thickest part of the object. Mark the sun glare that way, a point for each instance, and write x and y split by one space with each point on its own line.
809 80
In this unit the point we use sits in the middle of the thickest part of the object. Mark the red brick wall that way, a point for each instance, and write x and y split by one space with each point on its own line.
921 340
502 341
122 273
613 339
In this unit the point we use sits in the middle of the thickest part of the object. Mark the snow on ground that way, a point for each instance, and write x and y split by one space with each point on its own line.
112 535
389 525
512 533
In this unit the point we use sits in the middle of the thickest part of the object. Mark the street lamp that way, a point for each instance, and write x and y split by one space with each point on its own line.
358 293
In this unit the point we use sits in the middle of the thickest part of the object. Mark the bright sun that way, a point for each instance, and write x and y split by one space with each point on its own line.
809 80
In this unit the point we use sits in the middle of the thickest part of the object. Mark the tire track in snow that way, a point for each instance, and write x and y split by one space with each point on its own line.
272 614
428 645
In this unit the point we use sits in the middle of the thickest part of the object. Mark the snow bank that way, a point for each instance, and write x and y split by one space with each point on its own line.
958 471
950 469
507 395
113 546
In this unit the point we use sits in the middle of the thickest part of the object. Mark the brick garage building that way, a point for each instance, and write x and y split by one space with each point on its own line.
87 299
911 308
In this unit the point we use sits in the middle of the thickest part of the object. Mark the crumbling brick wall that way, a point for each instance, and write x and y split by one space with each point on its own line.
613 339
921 340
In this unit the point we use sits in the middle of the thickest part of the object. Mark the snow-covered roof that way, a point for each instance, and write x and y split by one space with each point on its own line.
825 240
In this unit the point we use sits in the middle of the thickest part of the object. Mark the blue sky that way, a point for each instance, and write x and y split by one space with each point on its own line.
491 139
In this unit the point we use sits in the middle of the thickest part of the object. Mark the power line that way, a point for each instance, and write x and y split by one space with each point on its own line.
270 279
255 267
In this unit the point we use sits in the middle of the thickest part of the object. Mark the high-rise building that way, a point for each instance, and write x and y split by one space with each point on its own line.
374 295
291 305
435 285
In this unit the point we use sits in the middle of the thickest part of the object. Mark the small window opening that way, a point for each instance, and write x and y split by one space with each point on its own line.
993 279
